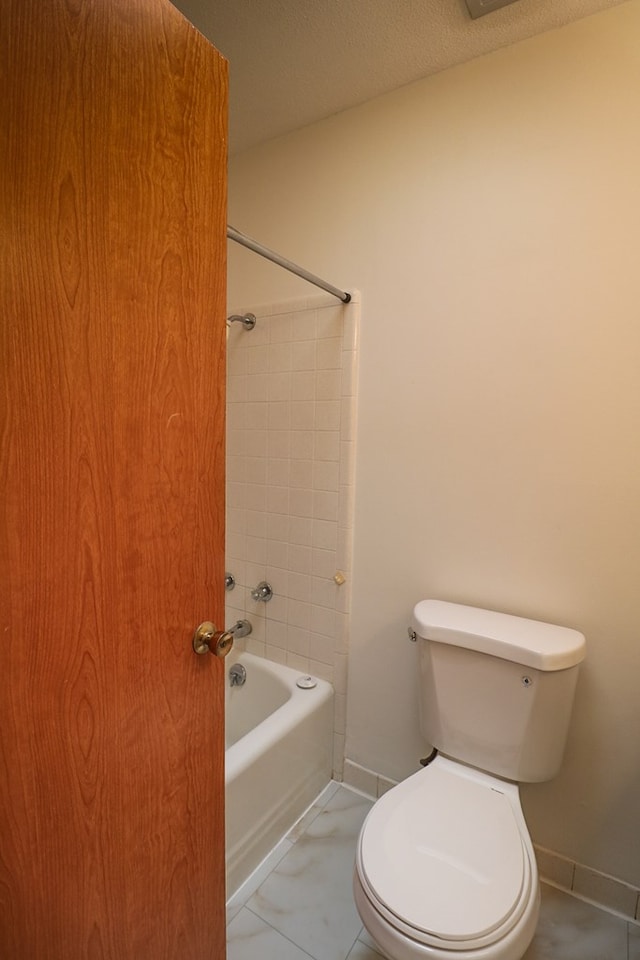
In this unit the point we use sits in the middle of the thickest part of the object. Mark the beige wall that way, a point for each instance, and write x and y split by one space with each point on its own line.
491 218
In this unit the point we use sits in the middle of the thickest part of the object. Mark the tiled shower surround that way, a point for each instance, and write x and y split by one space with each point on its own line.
291 394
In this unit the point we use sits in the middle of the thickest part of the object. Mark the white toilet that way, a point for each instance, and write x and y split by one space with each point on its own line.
445 867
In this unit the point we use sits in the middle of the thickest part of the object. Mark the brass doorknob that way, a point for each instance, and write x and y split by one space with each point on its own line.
207 639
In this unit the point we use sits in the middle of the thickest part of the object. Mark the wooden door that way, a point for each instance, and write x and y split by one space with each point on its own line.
112 253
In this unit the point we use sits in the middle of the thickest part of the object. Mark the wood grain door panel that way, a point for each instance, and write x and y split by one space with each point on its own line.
113 211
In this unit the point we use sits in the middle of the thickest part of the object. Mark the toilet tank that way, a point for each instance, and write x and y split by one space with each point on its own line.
496 690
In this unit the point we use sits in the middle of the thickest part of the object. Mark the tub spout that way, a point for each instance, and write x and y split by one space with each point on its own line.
241 628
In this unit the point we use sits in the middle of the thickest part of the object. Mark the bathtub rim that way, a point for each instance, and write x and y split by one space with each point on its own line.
245 751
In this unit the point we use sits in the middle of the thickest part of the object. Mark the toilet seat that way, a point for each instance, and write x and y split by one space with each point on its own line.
445 857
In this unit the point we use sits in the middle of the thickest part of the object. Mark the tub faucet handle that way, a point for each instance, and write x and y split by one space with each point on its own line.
237 675
263 591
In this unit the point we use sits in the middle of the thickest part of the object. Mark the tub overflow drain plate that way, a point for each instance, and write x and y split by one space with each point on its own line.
306 683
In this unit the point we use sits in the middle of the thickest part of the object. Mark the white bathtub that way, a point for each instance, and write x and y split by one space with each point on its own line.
278 758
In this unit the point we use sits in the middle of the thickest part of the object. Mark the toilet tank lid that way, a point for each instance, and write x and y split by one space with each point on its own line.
542 646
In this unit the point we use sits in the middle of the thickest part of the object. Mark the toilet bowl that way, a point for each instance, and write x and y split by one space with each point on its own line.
445 868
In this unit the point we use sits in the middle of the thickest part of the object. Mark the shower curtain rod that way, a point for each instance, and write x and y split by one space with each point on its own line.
234 234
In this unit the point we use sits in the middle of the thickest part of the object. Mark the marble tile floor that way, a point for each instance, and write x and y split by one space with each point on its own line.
298 903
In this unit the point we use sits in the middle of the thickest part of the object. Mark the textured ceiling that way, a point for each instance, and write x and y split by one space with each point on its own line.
293 62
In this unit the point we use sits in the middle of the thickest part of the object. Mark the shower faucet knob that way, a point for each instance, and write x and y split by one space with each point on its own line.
262 592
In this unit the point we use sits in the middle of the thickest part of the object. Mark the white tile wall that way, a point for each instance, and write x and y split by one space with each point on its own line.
607 892
291 420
